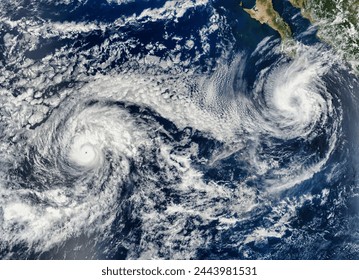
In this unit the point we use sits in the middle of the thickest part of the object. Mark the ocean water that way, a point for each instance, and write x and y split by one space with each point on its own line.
173 130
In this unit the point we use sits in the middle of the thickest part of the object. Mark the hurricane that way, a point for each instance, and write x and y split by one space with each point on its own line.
173 130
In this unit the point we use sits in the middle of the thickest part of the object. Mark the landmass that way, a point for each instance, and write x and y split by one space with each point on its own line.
264 12
337 22
303 6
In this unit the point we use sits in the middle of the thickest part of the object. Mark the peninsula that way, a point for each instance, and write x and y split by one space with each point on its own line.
264 12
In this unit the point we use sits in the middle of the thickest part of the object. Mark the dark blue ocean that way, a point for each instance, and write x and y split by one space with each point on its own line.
173 130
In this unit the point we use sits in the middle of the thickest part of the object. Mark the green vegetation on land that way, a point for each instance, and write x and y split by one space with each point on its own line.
337 21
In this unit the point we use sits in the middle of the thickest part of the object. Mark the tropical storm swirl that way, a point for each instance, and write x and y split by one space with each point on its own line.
173 130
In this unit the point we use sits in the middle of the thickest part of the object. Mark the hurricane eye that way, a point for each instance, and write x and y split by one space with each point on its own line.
85 154
295 101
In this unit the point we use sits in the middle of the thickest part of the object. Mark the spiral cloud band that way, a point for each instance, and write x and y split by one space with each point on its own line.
118 142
